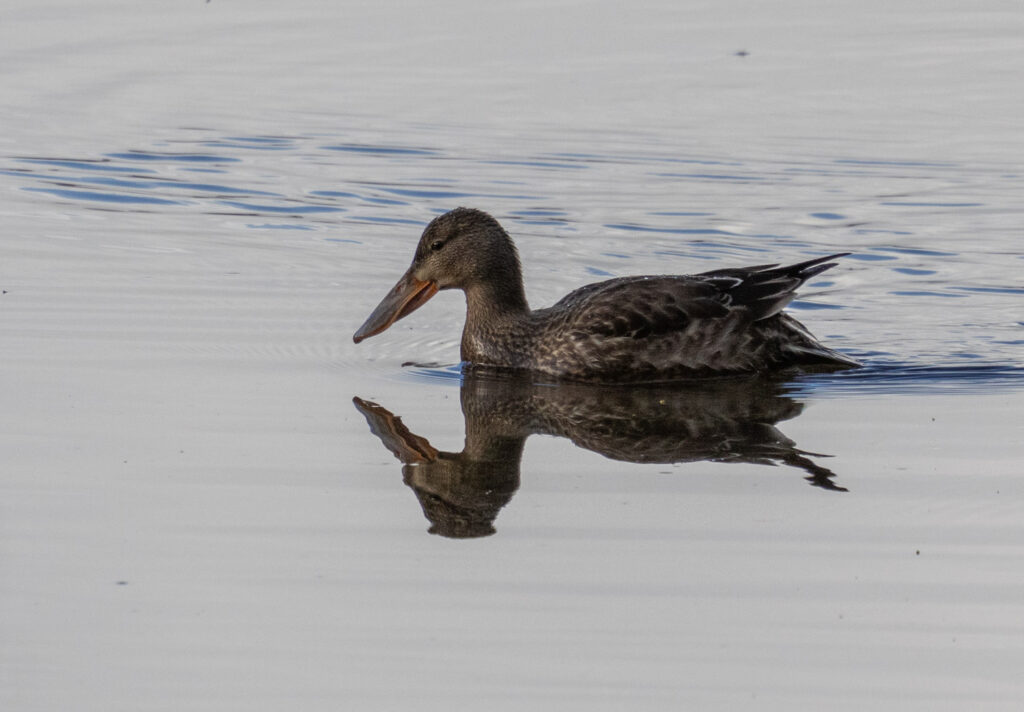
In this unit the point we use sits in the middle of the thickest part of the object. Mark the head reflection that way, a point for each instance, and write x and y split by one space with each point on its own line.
461 493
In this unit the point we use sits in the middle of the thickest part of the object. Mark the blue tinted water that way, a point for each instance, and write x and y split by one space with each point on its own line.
892 292
212 499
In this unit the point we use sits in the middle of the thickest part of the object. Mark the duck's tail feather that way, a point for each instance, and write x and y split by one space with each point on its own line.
819 355
765 290
807 351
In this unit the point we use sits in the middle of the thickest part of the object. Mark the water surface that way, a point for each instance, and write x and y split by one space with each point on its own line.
213 500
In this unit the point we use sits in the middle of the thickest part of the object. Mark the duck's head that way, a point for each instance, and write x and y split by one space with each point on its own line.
462 249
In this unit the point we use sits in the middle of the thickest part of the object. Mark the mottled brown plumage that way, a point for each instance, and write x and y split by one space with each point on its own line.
630 329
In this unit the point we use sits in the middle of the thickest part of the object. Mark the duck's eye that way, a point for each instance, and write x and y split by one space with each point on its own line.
436 245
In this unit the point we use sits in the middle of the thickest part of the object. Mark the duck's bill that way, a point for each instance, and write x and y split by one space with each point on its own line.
404 298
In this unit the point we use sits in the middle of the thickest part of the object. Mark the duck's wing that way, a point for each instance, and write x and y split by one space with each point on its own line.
640 307
765 290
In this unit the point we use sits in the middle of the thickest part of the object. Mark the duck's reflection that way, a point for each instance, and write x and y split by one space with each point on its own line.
462 492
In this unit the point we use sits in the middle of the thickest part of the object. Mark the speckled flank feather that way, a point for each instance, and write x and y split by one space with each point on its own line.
629 329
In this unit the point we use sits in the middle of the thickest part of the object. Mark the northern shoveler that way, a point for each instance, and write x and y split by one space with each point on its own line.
630 329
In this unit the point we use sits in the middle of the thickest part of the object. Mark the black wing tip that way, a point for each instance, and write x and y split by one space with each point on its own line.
809 268
821 260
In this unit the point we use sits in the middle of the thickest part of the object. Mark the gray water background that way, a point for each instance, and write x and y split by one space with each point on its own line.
202 202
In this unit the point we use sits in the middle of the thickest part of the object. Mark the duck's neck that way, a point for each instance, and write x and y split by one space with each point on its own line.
497 328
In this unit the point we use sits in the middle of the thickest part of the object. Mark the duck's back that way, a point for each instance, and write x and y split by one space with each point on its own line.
671 327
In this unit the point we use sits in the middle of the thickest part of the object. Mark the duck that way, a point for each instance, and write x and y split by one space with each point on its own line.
625 330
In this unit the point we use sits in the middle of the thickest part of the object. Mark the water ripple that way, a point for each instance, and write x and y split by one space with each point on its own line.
880 377
581 212
106 197
172 157
85 165
668 230
381 150
291 208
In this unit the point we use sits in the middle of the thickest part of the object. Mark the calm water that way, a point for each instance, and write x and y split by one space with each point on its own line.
212 499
